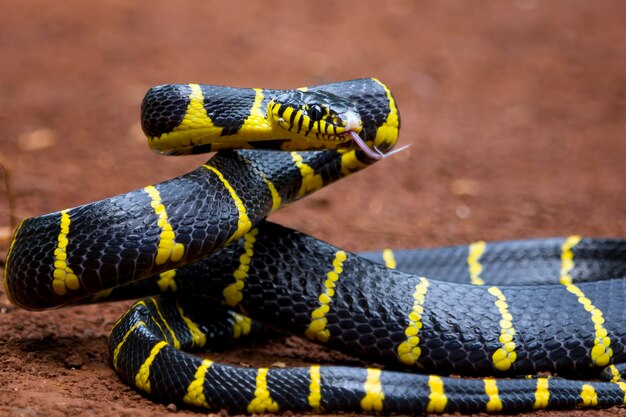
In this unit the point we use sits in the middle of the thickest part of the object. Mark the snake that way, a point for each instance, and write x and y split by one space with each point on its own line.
523 321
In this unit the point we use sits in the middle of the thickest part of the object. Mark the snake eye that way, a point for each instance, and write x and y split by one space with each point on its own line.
315 112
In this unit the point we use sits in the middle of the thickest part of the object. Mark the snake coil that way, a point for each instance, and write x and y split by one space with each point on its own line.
198 247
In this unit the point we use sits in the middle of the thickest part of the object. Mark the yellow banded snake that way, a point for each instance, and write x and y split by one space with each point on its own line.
148 241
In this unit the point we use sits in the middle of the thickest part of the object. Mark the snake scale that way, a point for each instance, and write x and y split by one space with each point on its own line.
213 271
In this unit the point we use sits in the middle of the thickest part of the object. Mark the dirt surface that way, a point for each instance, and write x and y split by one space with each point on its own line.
514 110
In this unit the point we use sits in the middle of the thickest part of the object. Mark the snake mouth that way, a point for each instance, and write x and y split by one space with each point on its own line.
373 153
353 126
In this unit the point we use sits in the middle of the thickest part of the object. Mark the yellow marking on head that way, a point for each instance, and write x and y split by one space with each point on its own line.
262 401
116 352
388 132
297 118
175 341
374 395
303 88
6 261
389 258
589 396
601 352
310 180
195 391
491 389
166 281
542 394
233 293
315 389
288 112
168 249
476 250
409 351
437 399
142 380
317 328
504 357
198 339
243 223
195 128
567 259
241 325
63 276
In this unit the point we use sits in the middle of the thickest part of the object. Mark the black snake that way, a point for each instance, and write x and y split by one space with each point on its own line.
459 310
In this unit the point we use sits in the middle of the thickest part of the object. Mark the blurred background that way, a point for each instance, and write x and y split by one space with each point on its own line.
515 111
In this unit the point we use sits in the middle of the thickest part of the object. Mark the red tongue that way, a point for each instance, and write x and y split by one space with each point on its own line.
375 153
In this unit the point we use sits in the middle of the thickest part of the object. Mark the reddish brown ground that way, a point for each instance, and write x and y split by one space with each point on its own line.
514 109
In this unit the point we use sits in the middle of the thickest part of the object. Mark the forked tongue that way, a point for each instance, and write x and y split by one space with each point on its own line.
375 153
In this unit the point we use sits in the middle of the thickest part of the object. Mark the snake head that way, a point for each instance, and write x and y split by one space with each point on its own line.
315 115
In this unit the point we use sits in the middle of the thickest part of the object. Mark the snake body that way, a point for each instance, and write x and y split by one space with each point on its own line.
151 230
477 309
